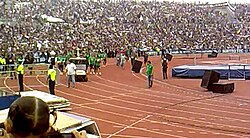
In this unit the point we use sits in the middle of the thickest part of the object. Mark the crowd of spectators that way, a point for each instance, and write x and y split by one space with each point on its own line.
112 25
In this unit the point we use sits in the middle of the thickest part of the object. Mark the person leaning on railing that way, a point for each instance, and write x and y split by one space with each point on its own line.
29 117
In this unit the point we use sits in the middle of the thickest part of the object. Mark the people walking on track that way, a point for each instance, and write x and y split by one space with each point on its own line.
70 72
122 60
149 73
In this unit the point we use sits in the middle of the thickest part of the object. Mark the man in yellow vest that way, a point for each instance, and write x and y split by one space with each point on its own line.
52 79
20 72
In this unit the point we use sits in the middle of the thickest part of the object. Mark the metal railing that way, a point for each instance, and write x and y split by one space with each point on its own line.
31 69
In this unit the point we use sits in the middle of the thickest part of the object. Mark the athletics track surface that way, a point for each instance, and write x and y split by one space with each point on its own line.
123 107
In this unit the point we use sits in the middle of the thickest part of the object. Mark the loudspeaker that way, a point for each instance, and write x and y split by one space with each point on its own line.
223 87
169 57
209 78
213 55
137 66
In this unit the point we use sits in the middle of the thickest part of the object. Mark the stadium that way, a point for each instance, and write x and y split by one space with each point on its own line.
206 47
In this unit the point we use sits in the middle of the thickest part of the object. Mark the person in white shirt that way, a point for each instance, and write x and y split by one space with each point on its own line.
70 70
122 60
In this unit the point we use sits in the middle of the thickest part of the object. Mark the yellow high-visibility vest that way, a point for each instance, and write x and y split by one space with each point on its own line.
20 69
1 61
52 74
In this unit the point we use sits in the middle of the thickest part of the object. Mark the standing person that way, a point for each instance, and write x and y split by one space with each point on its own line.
20 72
104 58
164 68
118 59
149 73
122 60
29 117
132 58
98 66
145 58
92 61
60 62
71 70
52 79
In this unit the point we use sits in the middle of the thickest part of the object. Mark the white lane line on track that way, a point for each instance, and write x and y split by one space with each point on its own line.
80 97
133 124
45 85
184 90
123 124
219 105
102 103
5 84
157 107
127 116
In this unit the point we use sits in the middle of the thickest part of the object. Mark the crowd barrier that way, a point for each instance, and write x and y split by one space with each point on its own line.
31 69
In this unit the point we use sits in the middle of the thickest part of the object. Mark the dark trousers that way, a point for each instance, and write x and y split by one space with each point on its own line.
164 73
12 73
20 82
150 81
52 87
60 66
104 61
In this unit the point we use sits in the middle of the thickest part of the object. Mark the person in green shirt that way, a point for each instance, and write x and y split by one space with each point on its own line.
98 66
92 61
52 79
149 73
60 62
87 55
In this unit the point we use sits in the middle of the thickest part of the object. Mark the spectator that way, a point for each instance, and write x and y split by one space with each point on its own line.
136 25
30 117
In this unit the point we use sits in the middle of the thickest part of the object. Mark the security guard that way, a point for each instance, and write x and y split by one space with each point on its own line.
20 72
1 64
52 79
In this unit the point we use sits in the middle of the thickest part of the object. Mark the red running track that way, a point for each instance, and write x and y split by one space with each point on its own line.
123 107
